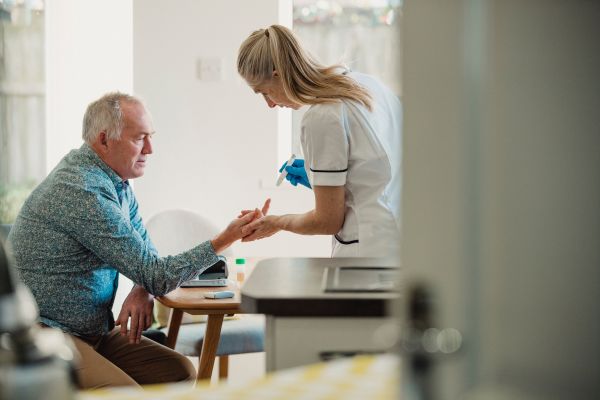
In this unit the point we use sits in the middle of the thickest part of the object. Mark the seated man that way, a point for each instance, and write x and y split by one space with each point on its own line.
80 228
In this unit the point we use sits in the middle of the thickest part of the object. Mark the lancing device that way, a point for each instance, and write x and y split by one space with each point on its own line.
284 172
225 294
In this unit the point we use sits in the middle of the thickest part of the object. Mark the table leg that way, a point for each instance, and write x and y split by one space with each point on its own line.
223 367
174 324
209 345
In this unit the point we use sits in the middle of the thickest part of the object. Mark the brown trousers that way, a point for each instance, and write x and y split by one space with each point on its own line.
112 361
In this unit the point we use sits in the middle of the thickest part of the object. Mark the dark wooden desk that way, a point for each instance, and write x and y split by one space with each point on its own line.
305 324
294 287
192 301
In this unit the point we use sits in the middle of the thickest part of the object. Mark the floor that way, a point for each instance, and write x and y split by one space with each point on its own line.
242 368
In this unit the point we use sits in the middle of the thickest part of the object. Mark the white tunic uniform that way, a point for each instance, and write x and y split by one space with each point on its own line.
345 144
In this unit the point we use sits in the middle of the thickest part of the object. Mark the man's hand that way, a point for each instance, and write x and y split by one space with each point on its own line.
138 306
264 210
233 232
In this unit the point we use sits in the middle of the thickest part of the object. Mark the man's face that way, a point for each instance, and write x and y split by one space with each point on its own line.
127 155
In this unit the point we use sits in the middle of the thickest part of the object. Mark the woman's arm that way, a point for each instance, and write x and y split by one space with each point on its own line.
326 218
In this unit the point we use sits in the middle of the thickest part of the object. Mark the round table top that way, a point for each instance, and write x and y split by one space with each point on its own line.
192 300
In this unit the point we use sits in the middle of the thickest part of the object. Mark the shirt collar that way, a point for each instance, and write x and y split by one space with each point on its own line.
88 152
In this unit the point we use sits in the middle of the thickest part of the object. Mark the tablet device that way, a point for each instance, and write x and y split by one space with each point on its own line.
360 279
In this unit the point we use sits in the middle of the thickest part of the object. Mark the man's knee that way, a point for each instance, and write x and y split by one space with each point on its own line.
179 369
188 372
94 371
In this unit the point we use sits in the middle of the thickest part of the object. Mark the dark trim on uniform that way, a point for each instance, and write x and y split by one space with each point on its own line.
326 170
343 241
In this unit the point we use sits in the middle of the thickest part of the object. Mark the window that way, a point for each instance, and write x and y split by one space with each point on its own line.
362 34
22 103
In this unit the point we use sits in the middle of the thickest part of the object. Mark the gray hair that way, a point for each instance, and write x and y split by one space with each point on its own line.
106 115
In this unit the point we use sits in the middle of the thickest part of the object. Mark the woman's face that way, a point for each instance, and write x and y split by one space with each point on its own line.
274 94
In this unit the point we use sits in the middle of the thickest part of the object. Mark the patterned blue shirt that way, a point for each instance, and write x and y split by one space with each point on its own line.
76 232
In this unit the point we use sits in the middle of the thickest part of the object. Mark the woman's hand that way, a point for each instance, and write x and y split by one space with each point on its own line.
326 219
261 228
296 174
249 232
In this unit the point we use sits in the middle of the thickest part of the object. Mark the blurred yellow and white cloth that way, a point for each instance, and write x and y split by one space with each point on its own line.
362 377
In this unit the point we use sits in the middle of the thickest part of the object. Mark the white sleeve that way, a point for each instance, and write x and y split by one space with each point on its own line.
325 144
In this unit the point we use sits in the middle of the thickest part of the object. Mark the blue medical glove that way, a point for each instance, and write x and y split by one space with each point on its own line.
296 174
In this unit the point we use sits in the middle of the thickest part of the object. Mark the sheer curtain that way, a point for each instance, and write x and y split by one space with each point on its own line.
361 34
22 103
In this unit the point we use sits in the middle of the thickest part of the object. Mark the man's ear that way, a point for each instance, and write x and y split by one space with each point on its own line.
101 141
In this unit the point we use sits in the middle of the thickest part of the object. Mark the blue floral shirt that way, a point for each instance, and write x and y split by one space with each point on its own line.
76 232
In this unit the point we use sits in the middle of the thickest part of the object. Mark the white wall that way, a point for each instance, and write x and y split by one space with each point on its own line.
88 53
216 149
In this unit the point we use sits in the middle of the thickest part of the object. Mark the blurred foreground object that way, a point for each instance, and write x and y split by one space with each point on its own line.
34 363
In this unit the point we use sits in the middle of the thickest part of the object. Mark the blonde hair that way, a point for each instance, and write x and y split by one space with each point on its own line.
305 81
106 114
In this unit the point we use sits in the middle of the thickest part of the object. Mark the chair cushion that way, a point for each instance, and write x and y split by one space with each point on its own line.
245 334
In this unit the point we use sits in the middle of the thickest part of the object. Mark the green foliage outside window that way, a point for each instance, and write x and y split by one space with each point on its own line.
12 197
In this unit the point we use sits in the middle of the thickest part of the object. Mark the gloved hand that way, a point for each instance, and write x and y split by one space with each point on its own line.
296 174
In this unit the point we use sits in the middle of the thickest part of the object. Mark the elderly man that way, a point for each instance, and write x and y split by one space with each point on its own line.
80 228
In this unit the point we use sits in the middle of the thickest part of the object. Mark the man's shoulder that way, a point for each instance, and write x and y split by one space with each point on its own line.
78 171
67 189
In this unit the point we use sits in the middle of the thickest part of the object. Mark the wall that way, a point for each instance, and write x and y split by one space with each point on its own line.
216 150
88 53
